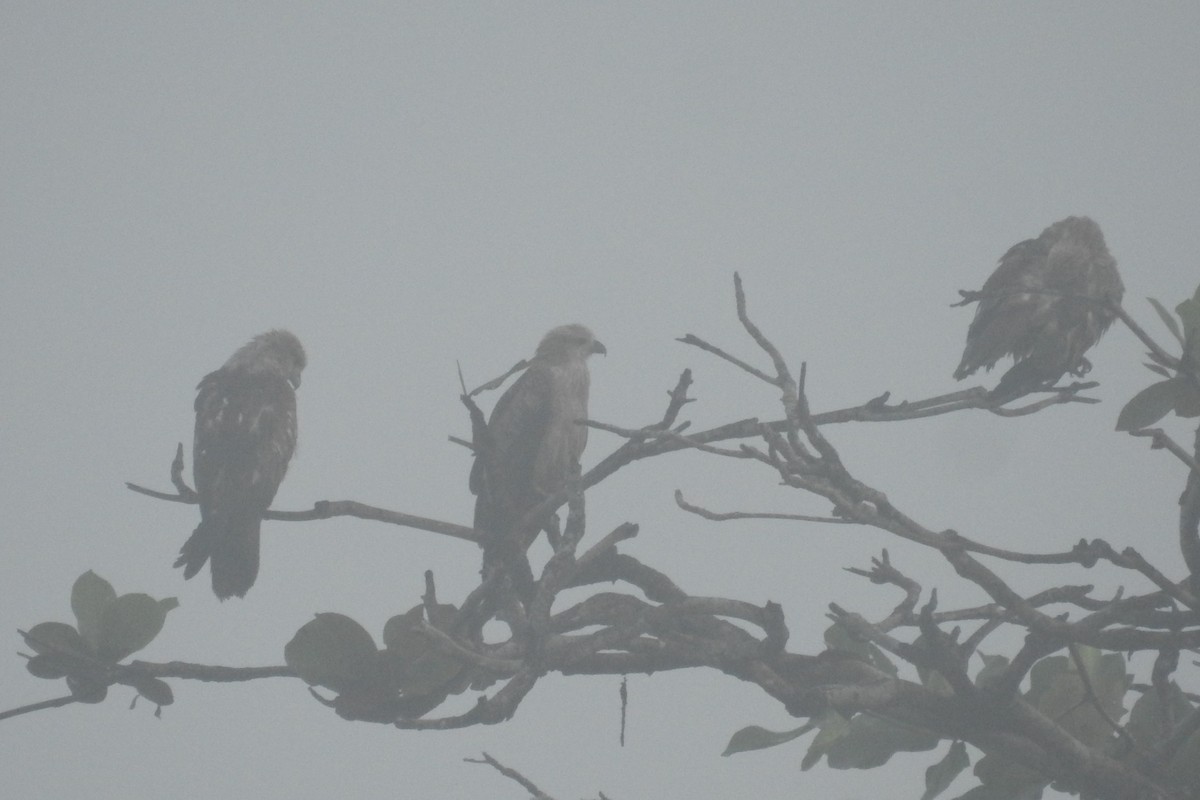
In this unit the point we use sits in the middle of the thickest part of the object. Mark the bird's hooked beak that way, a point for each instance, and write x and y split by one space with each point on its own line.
598 347
294 380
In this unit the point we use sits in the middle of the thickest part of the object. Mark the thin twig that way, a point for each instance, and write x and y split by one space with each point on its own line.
696 341
731 515
326 509
1160 355
1161 441
496 382
57 702
511 774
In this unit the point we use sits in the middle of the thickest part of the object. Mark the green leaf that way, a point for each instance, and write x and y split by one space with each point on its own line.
1189 312
61 651
756 738
872 740
90 597
993 668
1157 369
402 631
155 690
131 622
1148 725
1147 407
86 691
442 615
833 726
942 774
57 637
1184 768
330 650
431 672
1187 397
1006 780
1043 674
426 670
47 666
368 704
1059 692
935 681
1167 319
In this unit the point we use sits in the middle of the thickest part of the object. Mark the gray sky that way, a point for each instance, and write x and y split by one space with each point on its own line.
407 186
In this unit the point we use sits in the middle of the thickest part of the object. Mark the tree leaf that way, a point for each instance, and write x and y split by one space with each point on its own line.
1187 397
993 668
365 703
1150 726
129 623
61 651
1059 692
155 690
401 632
753 737
425 669
1147 724
1189 312
330 650
57 637
1184 768
46 666
86 691
1147 407
939 776
833 726
1157 369
1167 319
90 597
1006 779
872 740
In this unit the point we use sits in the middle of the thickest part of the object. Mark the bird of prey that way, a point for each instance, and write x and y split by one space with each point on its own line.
245 436
1049 300
533 442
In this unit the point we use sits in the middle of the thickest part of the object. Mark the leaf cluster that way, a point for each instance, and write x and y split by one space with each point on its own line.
1180 389
407 677
109 628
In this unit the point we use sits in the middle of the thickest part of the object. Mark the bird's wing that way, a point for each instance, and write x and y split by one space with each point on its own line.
503 473
245 436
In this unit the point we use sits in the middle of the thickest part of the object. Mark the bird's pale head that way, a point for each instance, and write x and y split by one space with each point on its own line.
569 342
277 352
1080 231
1077 247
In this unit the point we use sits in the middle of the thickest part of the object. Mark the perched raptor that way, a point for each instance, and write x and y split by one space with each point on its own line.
245 436
533 442
1048 301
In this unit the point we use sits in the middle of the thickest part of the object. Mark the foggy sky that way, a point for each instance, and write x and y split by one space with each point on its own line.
414 187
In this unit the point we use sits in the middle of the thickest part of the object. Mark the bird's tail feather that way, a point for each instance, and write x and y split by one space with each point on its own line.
231 546
234 558
503 547
195 550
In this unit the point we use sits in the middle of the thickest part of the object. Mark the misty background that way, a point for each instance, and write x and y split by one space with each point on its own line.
413 187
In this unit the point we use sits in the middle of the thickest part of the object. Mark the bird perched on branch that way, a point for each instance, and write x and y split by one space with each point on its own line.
245 436
1049 300
532 444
